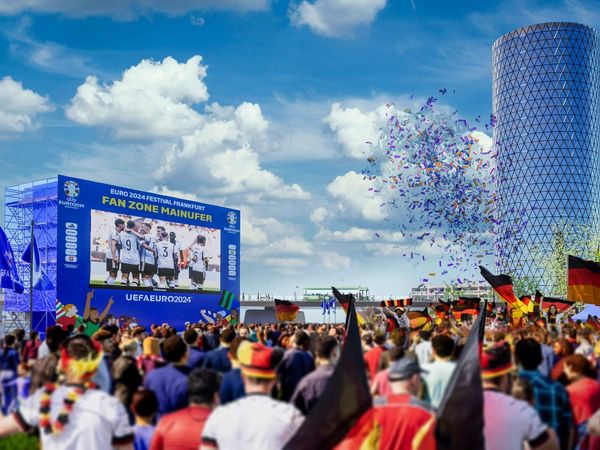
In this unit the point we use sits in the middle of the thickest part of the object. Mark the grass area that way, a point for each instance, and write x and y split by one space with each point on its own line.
20 441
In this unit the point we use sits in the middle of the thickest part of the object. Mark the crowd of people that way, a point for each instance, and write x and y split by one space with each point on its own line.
251 386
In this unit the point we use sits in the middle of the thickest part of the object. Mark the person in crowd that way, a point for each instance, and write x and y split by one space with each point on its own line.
126 376
562 349
195 355
71 428
44 369
173 431
20 341
423 348
150 358
30 349
232 385
103 375
547 363
169 383
211 338
311 387
139 334
380 386
373 359
143 407
405 422
296 364
23 382
584 346
218 358
551 399
439 372
584 392
9 363
257 420
508 422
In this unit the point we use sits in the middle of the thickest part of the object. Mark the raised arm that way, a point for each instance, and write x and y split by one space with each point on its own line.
88 303
106 309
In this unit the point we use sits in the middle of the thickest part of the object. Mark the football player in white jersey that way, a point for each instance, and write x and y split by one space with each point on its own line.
112 266
198 262
178 255
166 261
130 254
148 256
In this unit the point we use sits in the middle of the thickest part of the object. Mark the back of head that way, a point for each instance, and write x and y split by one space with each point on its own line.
151 346
203 384
425 335
190 336
301 339
235 345
129 346
144 403
442 345
174 349
9 340
227 335
395 353
80 356
528 353
580 365
19 334
380 339
55 336
326 345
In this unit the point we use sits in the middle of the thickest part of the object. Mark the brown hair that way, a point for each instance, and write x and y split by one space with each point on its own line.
580 365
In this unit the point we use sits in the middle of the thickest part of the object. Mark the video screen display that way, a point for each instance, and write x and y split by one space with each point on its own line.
134 252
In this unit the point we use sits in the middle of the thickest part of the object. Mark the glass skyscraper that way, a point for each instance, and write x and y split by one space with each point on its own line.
545 99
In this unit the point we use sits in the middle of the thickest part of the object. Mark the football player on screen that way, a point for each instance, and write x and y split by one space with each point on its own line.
129 257
166 261
198 262
112 253
177 256
148 256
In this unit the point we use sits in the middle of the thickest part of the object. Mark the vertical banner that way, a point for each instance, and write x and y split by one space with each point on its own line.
148 258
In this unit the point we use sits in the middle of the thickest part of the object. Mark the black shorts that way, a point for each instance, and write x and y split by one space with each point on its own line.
197 277
149 269
169 273
133 269
110 265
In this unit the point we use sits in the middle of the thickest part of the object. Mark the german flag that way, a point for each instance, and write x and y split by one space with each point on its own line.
399 303
286 311
593 322
502 285
583 281
419 319
441 309
465 305
345 300
526 300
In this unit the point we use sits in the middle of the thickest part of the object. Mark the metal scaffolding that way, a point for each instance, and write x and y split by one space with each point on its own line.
37 201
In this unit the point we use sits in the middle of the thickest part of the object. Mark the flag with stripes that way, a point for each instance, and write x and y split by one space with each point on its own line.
503 286
344 300
398 303
583 281
561 305
286 311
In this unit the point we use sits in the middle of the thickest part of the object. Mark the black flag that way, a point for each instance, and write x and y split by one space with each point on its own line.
345 398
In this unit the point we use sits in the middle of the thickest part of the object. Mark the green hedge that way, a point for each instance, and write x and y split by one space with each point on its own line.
19 441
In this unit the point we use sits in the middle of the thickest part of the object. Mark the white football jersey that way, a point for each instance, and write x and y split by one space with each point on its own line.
165 255
113 236
197 255
130 248
147 256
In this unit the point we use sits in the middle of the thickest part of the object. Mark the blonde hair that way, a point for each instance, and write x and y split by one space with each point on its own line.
128 345
151 346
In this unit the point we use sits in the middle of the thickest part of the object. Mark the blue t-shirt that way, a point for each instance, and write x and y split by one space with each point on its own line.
142 436
232 386
296 363
196 357
9 361
170 384
218 360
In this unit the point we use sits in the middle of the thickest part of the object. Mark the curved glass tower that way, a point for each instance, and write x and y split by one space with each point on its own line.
545 99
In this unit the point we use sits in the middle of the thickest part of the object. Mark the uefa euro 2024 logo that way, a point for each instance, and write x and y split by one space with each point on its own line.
71 189
232 218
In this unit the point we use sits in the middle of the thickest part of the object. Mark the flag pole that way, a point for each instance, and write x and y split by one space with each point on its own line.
31 260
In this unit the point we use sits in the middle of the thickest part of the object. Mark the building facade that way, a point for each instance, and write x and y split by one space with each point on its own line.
545 99
426 294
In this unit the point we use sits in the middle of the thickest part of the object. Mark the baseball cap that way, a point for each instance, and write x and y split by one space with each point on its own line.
404 368
257 360
496 360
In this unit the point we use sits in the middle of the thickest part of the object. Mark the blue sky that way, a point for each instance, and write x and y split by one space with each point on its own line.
253 122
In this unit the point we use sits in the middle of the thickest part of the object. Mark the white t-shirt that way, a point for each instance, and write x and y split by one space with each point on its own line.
437 378
197 257
147 255
509 422
423 352
165 255
112 237
130 248
254 422
97 422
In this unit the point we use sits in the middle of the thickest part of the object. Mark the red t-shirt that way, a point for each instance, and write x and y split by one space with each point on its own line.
180 430
394 424
372 358
585 400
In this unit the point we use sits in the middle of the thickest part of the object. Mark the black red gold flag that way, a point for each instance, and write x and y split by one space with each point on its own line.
503 286
398 303
286 311
583 281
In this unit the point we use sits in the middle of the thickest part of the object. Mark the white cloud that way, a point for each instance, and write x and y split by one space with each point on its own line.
357 234
285 264
355 129
335 18
127 10
334 261
19 106
152 100
351 191
318 215
296 246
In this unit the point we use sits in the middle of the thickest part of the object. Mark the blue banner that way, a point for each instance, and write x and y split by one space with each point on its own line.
160 259
9 277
